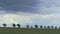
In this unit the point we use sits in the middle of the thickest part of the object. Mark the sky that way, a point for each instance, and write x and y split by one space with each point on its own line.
40 12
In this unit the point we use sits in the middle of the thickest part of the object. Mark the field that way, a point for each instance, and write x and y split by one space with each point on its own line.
28 31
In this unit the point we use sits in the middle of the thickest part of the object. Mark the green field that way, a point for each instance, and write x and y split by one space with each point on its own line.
28 31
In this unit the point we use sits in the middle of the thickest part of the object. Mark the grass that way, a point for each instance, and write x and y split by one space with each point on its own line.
28 31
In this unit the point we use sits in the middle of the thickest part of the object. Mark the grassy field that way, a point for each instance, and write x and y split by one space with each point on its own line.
28 31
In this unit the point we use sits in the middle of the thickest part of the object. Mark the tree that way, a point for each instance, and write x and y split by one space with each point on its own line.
36 26
44 27
55 27
27 26
41 26
52 27
48 27
4 25
18 25
13 25
59 27
31 26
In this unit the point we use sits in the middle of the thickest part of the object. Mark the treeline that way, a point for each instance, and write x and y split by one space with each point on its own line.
36 26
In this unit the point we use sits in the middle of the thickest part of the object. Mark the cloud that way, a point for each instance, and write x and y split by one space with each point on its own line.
50 3
13 6
13 18
47 19
30 6
49 7
53 10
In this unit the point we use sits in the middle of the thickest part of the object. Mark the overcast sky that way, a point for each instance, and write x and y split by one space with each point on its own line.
40 12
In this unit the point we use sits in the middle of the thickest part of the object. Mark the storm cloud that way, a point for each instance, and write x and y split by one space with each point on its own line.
19 5
30 6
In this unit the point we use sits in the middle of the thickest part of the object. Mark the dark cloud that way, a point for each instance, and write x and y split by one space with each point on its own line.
19 5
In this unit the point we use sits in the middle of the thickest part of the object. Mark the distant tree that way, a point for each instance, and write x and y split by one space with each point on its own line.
13 25
52 27
48 27
55 27
31 26
18 25
59 27
44 27
36 26
4 25
27 26
41 26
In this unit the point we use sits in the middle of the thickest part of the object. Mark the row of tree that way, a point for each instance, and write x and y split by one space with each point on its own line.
47 27
36 26
44 27
14 25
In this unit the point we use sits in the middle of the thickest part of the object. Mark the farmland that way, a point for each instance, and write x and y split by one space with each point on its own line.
28 31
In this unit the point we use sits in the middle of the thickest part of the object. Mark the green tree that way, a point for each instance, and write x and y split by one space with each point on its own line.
36 26
48 27
18 25
59 27
31 26
44 27
41 26
52 27
27 26
55 27
13 25
4 25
